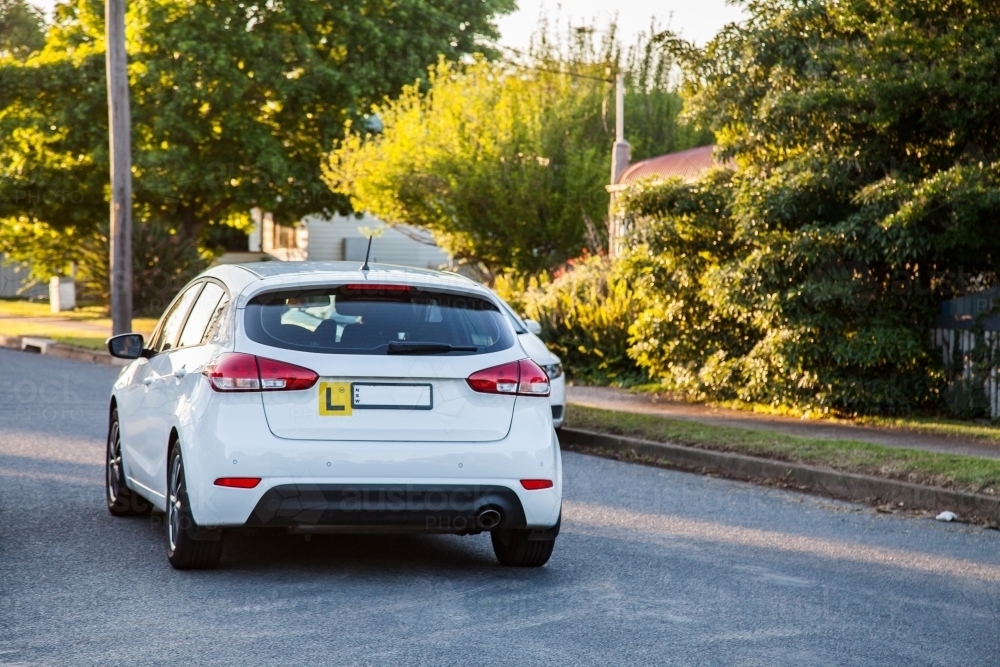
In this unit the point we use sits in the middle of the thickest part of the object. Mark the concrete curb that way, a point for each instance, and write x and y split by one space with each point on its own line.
53 349
831 483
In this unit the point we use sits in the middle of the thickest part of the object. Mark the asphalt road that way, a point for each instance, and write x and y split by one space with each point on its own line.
652 567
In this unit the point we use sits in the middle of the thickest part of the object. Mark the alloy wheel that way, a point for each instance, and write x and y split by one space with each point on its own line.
114 464
174 500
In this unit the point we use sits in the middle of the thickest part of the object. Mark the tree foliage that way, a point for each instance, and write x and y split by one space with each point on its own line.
506 162
234 104
22 29
867 190
496 162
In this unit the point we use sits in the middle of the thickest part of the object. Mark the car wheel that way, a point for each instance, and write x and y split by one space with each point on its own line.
183 551
513 548
122 501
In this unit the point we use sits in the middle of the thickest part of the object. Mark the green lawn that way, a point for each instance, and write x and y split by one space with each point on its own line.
918 424
936 426
85 327
967 473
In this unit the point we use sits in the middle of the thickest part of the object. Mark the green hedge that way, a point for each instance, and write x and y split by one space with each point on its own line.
865 191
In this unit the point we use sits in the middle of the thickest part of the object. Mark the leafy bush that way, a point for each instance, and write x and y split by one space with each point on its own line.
678 335
866 191
163 259
585 310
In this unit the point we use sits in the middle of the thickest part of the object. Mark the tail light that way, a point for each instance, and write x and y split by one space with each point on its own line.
234 372
523 378
532 484
534 381
278 376
496 380
245 372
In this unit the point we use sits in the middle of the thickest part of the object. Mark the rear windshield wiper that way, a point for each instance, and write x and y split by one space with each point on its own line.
406 347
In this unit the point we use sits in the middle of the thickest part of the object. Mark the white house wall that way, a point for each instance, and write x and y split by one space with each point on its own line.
339 238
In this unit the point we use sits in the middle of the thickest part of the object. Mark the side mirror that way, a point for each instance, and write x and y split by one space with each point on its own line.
126 346
533 326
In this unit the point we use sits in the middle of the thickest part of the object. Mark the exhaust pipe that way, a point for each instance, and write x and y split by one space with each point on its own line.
488 518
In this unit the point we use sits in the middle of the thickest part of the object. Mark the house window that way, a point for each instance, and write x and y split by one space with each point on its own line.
284 237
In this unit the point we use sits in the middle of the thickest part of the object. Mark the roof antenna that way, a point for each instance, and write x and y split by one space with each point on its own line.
364 267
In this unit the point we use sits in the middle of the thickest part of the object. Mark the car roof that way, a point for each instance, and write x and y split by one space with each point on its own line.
272 269
250 278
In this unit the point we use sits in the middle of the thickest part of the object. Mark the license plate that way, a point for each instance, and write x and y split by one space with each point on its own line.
388 396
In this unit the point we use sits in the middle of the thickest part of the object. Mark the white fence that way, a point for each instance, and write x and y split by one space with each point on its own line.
955 334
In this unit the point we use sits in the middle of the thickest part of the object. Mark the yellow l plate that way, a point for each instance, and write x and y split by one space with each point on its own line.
335 399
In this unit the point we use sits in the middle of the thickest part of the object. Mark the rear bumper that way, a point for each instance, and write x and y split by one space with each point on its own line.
425 508
309 479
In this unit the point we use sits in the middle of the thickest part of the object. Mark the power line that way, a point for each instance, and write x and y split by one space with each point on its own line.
548 71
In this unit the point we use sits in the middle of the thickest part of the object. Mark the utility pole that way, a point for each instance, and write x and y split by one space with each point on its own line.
620 156
120 138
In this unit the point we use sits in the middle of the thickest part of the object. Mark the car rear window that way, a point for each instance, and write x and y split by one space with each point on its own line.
376 321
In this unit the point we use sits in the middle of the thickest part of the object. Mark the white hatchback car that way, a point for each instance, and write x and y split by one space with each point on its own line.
527 332
317 398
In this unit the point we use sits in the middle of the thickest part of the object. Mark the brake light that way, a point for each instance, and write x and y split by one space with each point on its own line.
523 378
532 484
238 482
235 371
377 287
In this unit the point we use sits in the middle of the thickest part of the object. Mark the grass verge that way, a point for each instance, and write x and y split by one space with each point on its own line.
86 327
952 471
954 428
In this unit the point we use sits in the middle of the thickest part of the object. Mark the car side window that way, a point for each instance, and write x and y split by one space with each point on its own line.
201 314
174 320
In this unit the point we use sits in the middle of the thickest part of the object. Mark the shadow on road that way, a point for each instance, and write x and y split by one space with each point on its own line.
274 551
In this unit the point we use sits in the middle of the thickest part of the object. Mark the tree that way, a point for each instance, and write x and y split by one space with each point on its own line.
506 162
489 160
22 29
234 104
867 190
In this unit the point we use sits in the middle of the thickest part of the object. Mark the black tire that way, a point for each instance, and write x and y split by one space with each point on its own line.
183 551
514 549
122 501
